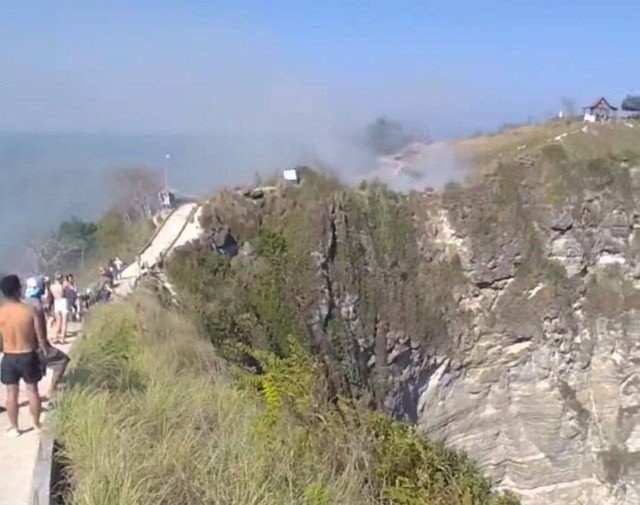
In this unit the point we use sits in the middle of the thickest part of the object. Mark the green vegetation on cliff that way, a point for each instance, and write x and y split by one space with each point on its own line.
306 251
258 391
108 237
80 246
274 309
151 415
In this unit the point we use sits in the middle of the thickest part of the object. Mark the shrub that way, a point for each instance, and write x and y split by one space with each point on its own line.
151 415
189 435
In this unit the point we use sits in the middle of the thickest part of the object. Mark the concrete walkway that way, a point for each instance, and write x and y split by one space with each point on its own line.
182 226
18 456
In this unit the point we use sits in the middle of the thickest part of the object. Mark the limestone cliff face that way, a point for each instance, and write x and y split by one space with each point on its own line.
543 385
502 317
531 362
548 398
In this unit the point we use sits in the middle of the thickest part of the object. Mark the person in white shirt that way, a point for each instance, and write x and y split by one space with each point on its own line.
118 263
60 308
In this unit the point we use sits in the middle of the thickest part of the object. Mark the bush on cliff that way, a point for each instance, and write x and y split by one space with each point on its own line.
112 237
307 251
272 309
80 246
151 415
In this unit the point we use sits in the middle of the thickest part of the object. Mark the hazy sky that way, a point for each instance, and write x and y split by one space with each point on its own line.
309 73
276 66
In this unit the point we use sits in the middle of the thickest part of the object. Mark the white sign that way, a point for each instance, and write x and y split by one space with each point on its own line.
290 175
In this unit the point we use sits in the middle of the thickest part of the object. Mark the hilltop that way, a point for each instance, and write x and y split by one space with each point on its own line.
479 154
498 314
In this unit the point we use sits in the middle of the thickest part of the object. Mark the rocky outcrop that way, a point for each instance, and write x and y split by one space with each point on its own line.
549 403
546 401
534 369
503 317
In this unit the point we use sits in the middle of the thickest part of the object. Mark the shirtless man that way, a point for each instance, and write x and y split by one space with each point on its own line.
22 334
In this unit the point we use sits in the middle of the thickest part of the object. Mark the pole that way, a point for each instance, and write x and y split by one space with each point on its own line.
82 258
166 172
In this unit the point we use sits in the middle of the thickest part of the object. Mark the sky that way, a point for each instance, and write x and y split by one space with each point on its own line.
90 85
297 67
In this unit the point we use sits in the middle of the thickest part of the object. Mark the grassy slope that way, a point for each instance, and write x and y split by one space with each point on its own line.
123 240
535 170
152 416
517 191
598 140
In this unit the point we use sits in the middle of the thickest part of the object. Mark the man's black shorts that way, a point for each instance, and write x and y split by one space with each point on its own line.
26 366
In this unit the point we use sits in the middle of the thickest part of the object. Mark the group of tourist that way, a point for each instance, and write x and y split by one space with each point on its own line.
59 299
27 350
114 268
25 325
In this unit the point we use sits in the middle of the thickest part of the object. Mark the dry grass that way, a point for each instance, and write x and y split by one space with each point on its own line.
578 140
152 416
486 148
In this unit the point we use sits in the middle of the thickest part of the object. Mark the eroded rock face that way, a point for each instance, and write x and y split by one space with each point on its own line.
502 323
556 421
542 387
547 399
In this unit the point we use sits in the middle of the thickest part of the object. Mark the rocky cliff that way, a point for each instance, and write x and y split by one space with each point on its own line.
546 391
502 315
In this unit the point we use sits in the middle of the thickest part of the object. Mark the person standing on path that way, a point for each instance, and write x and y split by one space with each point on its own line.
55 359
47 300
118 263
22 334
60 308
71 294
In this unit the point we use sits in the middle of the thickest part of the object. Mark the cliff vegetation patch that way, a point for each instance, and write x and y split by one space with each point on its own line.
153 415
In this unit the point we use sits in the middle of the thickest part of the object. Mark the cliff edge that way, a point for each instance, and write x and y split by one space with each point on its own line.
500 315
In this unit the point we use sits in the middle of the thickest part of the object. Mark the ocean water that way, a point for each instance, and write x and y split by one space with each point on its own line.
47 178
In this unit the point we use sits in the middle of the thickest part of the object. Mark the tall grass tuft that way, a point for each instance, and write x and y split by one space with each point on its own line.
151 415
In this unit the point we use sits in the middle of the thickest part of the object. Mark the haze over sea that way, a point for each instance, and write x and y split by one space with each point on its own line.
49 177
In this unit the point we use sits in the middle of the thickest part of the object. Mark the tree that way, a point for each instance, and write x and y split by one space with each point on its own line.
135 191
111 232
78 230
62 247
81 237
569 106
386 137
631 103
51 252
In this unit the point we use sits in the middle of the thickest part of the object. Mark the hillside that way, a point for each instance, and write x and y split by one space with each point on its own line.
79 167
498 315
476 155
